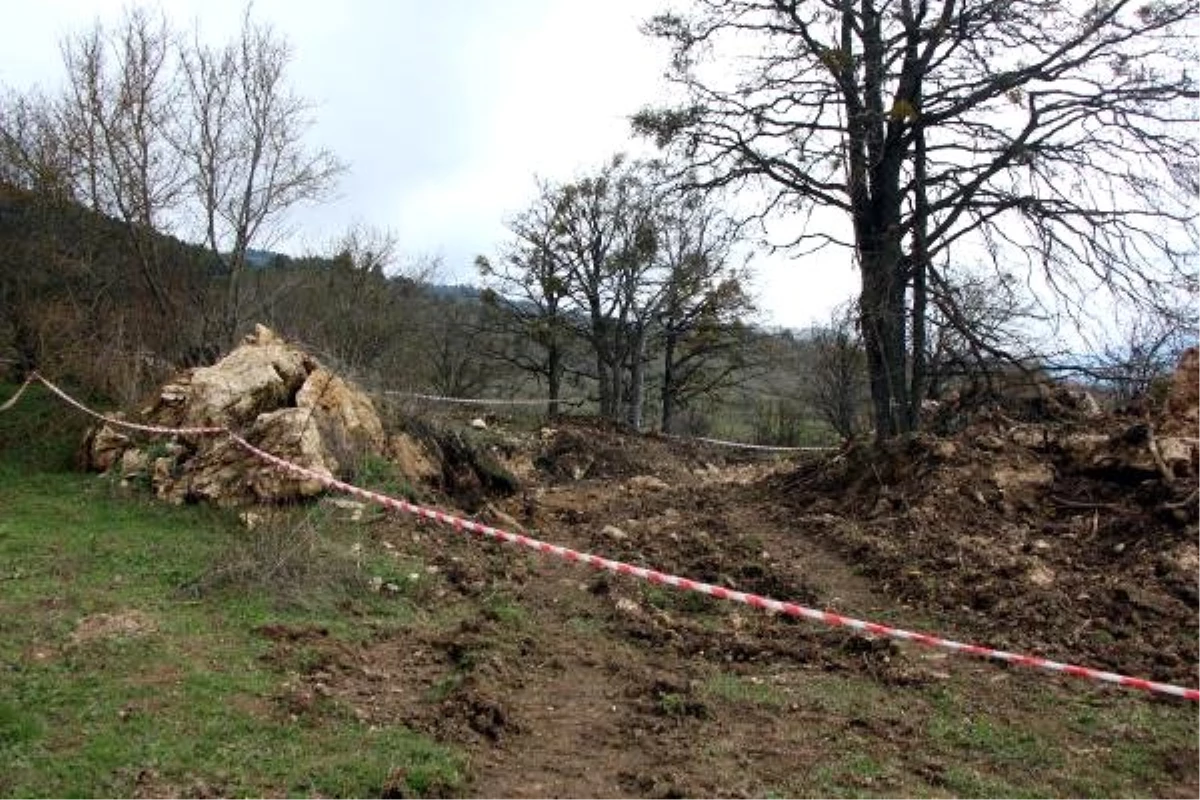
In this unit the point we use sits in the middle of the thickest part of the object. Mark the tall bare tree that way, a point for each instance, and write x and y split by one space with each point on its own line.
1057 138
605 237
249 163
119 117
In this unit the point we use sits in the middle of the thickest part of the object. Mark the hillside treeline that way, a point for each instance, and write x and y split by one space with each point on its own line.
139 203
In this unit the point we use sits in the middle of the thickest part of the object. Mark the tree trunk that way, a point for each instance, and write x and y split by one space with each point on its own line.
882 310
637 380
604 380
616 391
554 376
919 262
668 387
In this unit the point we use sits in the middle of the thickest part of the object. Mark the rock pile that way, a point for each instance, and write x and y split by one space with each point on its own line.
278 397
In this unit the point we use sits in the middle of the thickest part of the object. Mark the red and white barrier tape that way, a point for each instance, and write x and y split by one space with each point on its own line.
653 576
720 592
766 447
12 401
205 431
486 401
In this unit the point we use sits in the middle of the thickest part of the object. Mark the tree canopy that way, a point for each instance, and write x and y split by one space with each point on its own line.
1048 139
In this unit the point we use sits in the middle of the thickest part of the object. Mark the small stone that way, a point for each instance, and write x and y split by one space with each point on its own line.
1041 576
353 508
479 424
627 606
944 449
648 483
1187 558
134 462
987 441
1041 545
614 533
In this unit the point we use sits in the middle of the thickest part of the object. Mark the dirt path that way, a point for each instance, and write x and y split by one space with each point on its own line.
558 680
573 683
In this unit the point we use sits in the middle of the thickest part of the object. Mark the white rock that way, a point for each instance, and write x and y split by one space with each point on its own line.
627 606
1041 576
649 483
614 533
250 519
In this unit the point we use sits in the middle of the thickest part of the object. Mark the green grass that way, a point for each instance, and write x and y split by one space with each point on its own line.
185 702
378 474
39 433
737 689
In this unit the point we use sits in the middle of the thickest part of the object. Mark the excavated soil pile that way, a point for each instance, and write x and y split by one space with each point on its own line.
1073 538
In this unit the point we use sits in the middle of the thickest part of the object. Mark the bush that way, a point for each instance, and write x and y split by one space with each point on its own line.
291 561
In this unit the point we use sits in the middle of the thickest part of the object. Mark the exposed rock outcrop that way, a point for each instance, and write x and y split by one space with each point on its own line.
273 393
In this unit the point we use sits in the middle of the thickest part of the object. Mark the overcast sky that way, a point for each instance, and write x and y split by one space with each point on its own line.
444 111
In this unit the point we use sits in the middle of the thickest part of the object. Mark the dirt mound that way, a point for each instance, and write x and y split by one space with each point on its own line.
1077 539
589 451
583 449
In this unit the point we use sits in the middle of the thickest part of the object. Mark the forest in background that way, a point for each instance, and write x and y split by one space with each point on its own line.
137 208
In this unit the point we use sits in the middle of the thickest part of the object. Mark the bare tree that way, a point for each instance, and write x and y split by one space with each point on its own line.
453 363
355 304
245 147
837 381
370 250
1051 137
635 266
702 310
1141 351
528 290
976 323
119 118
605 238
34 154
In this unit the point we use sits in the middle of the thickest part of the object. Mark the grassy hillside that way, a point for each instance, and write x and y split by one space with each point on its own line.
134 640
